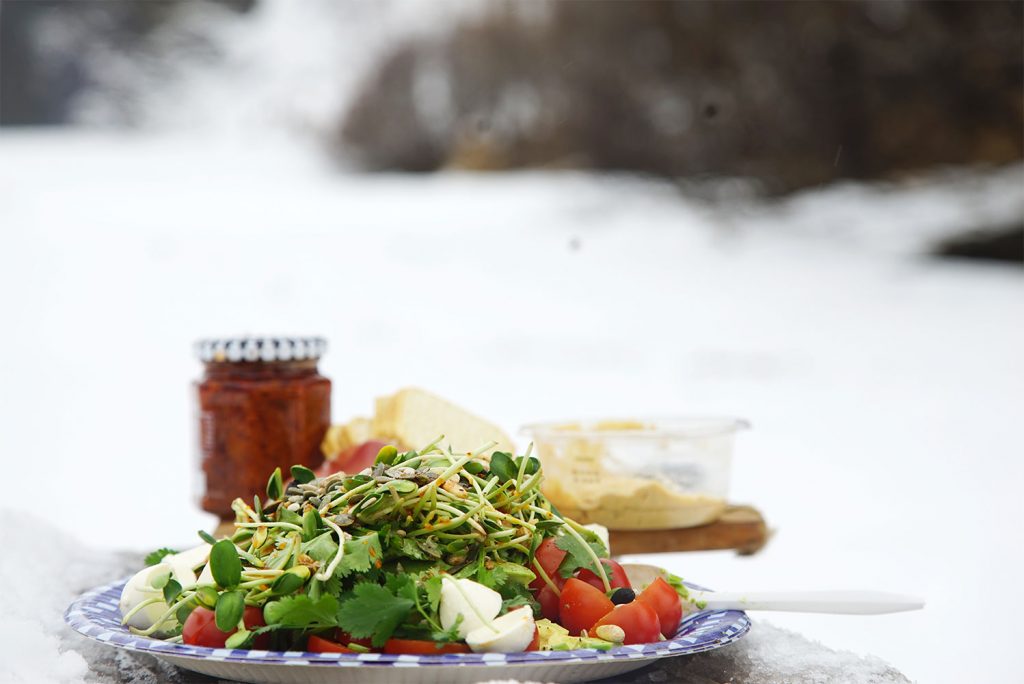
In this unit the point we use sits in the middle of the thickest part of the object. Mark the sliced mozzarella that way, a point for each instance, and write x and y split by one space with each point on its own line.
469 599
140 588
185 563
511 633
206 576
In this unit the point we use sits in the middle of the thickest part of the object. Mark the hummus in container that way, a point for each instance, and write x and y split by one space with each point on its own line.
638 474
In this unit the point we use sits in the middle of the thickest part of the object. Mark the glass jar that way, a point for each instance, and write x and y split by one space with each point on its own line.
262 405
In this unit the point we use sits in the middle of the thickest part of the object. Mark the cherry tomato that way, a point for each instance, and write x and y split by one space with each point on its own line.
661 597
549 603
352 460
345 639
581 605
549 557
637 620
416 647
535 644
320 645
616 575
200 628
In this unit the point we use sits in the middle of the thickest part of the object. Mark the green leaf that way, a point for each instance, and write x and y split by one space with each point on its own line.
385 455
532 465
155 557
474 467
404 546
238 639
229 610
321 548
207 596
300 612
548 525
224 564
432 586
311 522
491 578
302 474
361 554
207 537
285 584
503 466
275 485
515 573
373 612
577 555
171 591
402 586
184 610
284 515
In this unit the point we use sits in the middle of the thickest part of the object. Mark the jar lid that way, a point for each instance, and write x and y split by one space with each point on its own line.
249 349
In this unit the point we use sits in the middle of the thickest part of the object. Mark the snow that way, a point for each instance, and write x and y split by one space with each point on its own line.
885 389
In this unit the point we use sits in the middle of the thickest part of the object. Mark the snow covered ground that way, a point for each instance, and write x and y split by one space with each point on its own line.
886 390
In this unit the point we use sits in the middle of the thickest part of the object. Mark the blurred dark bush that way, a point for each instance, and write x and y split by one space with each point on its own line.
788 93
46 45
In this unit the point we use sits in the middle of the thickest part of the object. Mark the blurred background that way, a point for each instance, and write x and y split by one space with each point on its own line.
810 215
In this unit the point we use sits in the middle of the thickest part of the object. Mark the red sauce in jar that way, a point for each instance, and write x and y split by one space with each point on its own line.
262 405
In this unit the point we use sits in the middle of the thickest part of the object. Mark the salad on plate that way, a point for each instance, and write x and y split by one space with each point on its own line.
424 552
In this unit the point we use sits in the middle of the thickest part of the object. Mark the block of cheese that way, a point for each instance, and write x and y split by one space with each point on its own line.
414 418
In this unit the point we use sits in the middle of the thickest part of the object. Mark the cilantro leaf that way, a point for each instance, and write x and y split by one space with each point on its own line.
373 612
301 612
158 555
493 578
432 586
321 548
361 554
577 555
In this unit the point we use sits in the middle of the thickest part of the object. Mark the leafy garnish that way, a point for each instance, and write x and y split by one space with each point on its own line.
361 554
155 557
503 466
302 474
373 612
302 612
275 485
229 609
224 564
577 556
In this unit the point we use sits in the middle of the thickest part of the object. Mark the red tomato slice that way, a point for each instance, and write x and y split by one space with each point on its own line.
416 647
549 557
200 628
320 645
637 620
535 644
345 638
581 605
549 603
616 575
660 596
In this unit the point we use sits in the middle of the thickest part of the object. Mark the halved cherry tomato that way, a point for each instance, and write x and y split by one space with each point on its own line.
549 557
345 639
549 603
200 628
660 596
535 644
637 620
320 645
417 647
616 575
581 605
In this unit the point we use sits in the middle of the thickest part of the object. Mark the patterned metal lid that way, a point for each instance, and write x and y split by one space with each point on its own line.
251 348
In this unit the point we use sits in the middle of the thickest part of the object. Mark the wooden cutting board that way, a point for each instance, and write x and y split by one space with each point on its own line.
741 528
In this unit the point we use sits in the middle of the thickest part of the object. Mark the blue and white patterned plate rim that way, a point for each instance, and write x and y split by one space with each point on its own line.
95 614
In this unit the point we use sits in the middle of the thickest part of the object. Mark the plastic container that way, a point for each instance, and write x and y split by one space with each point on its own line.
638 474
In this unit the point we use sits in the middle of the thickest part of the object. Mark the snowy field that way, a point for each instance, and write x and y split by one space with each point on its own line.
886 390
